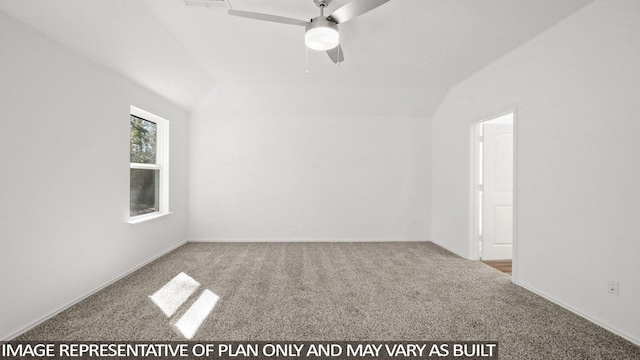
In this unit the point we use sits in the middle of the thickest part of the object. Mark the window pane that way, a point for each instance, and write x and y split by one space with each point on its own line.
143 141
144 195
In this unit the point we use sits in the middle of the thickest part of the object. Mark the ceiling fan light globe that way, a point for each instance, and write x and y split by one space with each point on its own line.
321 35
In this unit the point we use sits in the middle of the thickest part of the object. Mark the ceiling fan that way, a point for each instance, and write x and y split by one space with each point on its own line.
321 33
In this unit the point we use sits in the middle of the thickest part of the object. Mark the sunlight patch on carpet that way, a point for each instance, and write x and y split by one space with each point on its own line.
174 293
193 318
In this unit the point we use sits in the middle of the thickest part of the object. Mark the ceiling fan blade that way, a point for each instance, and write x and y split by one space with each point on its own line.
267 17
336 54
354 8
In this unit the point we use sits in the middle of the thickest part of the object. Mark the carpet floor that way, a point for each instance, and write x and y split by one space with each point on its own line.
332 292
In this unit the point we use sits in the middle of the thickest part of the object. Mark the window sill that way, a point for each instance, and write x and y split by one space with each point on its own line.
142 218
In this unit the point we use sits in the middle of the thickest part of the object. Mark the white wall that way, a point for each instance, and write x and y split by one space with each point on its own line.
64 185
576 88
286 164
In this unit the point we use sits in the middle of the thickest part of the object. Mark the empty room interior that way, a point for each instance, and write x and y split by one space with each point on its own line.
346 170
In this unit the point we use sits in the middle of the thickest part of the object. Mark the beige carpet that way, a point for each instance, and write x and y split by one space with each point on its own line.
331 291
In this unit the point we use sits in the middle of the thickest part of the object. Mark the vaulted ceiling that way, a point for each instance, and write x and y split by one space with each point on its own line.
409 51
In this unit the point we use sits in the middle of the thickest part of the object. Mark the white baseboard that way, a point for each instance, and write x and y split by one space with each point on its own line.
464 256
581 314
65 307
304 240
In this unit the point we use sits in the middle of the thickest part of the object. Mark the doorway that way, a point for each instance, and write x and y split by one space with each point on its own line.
493 186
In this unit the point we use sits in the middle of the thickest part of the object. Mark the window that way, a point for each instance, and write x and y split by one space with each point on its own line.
148 182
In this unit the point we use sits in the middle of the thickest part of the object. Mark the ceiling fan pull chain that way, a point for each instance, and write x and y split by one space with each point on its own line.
306 60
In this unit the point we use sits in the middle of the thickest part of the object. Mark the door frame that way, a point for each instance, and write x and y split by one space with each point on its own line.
474 204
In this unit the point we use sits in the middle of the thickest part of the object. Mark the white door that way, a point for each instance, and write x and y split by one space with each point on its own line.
497 186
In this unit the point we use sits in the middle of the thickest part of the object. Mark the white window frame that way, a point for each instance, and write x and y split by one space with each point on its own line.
162 164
